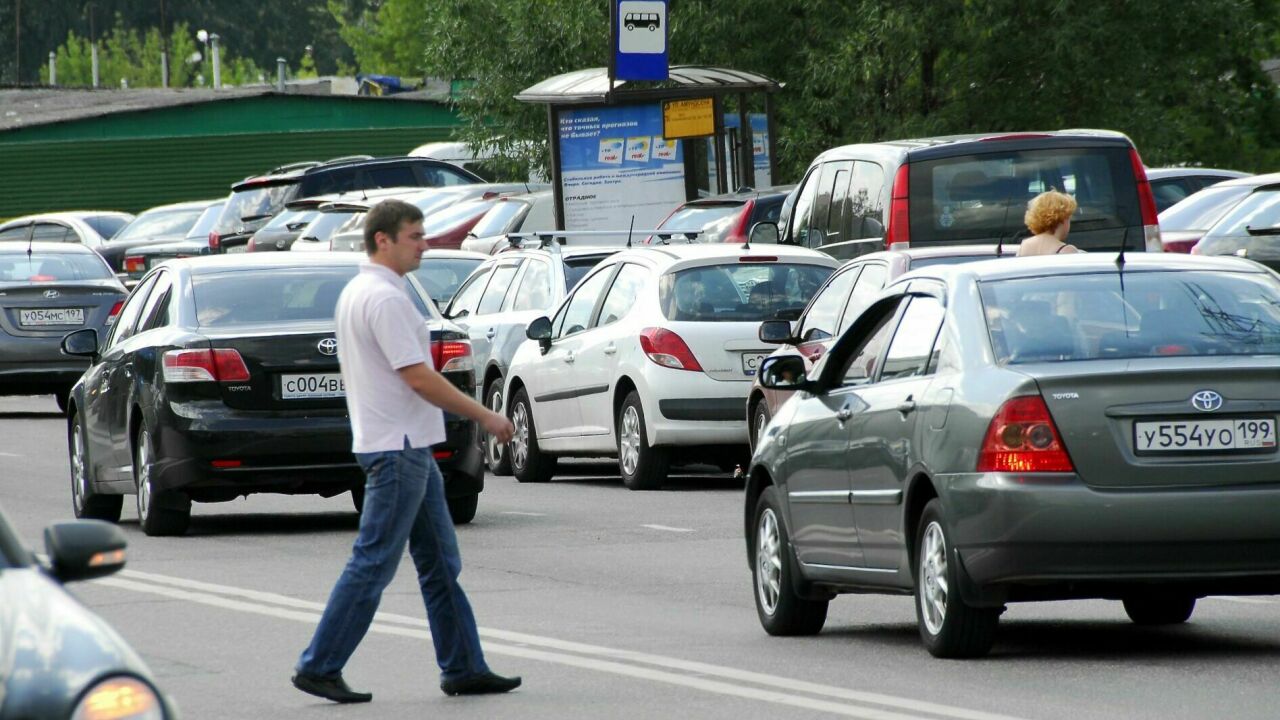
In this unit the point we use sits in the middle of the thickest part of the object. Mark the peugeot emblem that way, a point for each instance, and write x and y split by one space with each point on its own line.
1206 401
329 346
51 294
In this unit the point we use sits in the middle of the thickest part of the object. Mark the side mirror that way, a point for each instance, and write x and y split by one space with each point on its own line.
84 549
764 232
81 343
776 332
872 227
540 330
785 372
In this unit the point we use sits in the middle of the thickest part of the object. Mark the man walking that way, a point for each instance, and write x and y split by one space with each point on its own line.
395 398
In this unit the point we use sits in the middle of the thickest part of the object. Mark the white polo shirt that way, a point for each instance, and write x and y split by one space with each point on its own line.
379 332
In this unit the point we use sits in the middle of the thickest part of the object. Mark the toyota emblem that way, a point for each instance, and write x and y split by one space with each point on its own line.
328 346
51 294
1206 401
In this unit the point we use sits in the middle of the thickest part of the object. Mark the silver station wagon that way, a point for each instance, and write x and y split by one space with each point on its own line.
1090 426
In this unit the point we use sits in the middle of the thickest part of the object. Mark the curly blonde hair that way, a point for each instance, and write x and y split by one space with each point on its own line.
1048 210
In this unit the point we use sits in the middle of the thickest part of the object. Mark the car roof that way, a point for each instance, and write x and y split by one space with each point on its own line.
451 254
1250 181
1176 172
15 248
938 251
566 251
943 143
68 215
667 255
1084 264
741 195
205 264
187 205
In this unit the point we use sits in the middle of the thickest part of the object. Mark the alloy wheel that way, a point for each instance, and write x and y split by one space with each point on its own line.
144 474
493 448
629 440
768 562
520 439
79 477
933 578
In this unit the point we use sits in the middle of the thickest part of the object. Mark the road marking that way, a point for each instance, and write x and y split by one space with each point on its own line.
667 528
517 512
696 675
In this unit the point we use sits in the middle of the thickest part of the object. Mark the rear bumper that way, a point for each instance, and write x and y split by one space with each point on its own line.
1217 540
684 408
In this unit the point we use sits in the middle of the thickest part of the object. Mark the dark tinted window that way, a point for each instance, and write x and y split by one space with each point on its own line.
865 201
127 321
741 292
491 301
974 197
159 223
1170 191
107 225
49 267
273 295
819 323
442 176
391 176
869 285
861 366
767 209
441 277
1201 210
15 233
253 203
912 345
833 202
801 216
155 312
577 267
52 232
208 218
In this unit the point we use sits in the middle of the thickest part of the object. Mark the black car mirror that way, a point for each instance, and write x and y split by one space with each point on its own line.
84 549
81 343
764 232
776 332
785 372
540 330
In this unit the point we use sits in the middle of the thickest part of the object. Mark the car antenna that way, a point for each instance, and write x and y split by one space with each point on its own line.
633 227
1124 304
1008 205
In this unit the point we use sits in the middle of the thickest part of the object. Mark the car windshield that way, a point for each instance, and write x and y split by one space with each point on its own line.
259 202
1201 210
714 220
443 220
441 277
984 196
200 230
1259 211
159 223
498 219
51 267
741 292
107 225
269 295
324 226
1152 314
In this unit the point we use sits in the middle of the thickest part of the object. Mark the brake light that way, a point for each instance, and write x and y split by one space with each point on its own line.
222 464
115 311
451 355
899 231
215 240
441 454
668 349
757 259
41 278
740 229
248 247
1015 136
135 264
1146 204
1023 439
223 365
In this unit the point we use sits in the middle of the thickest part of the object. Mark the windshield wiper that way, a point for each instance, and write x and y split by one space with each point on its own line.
251 218
1262 230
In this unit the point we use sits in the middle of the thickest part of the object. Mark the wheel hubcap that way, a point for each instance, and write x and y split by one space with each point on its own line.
933 578
79 478
144 475
768 562
629 440
494 447
520 439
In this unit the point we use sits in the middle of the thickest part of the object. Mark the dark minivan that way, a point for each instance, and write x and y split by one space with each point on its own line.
968 189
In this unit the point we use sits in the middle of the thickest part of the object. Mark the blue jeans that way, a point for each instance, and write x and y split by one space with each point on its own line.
403 501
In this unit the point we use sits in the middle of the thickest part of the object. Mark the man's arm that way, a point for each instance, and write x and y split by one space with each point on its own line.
435 389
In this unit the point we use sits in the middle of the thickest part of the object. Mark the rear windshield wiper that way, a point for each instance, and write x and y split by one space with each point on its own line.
1262 230
251 218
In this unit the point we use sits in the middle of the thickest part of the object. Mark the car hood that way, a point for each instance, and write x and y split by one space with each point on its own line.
52 648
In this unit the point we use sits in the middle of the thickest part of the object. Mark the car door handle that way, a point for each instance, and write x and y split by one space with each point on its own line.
568 358
908 406
844 414
492 332
610 349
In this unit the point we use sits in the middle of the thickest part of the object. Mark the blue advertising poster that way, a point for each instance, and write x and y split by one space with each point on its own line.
641 53
614 163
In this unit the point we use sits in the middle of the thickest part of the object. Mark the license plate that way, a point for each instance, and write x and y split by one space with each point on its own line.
1208 435
751 362
312 386
55 316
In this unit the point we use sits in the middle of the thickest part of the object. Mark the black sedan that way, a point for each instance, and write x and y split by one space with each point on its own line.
166 223
58 659
221 379
47 289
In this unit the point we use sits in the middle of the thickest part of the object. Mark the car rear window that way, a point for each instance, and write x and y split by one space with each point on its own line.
1152 314
739 292
107 225
200 230
159 223
52 267
253 203
269 294
576 268
326 224
441 277
715 220
296 218
1201 210
447 219
984 196
498 219
1258 212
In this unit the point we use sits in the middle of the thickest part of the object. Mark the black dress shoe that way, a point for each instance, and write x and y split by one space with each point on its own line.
483 684
330 688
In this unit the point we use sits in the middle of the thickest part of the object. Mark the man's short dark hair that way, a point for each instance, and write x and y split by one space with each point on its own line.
387 216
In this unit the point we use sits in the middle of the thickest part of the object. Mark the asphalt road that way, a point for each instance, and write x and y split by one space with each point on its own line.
611 604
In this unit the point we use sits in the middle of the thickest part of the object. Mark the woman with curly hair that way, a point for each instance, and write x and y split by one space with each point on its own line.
1049 217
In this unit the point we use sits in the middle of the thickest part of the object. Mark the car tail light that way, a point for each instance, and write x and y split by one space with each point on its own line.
740 229
135 264
899 232
204 366
215 241
115 312
1146 204
441 454
1023 439
223 464
668 349
451 355
248 247
1179 246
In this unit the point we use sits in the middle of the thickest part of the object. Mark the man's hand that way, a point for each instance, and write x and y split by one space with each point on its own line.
498 426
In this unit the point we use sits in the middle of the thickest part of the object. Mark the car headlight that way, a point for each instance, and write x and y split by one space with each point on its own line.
120 698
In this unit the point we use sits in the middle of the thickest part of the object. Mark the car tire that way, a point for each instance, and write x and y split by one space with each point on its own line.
85 501
496 455
528 463
1170 609
154 518
760 418
63 399
949 627
463 508
642 467
781 610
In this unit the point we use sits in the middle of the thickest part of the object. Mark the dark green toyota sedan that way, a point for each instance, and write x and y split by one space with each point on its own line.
1091 426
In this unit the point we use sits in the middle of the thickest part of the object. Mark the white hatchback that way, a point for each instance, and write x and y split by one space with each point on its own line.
652 355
